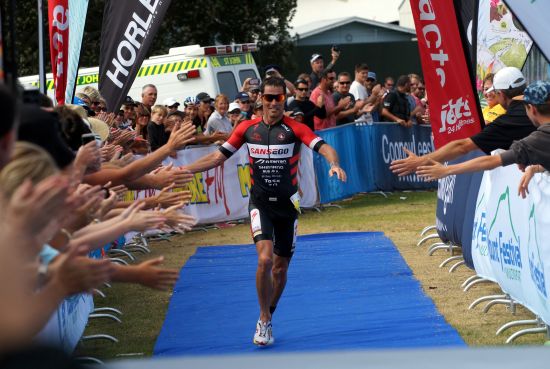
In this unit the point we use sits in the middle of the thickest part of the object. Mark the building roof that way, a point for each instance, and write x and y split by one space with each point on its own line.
320 26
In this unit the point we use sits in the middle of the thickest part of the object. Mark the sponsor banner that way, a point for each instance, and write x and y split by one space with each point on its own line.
366 151
388 142
533 16
453 105
501 43
58 18
67 324
128 29
222 194
77 19
508 239
452 201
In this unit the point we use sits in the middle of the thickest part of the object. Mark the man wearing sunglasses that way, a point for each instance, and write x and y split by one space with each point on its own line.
301 102
274 142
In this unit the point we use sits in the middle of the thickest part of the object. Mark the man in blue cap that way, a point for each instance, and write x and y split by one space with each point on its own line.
243 99
531 150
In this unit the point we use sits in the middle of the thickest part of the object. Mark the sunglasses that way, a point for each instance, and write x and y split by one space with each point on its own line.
344 82
269 97
302 89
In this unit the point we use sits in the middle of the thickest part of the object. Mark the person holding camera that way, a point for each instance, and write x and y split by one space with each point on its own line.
318 65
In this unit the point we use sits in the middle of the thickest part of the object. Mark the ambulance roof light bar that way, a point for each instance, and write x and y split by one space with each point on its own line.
196 50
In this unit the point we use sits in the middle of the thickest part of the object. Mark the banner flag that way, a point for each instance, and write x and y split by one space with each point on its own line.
533 16
58 20
128 30
77 20
467 13
501 40
453 105
1 51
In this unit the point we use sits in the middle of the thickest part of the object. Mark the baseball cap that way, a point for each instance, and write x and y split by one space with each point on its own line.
169 102
204 97
315 57
100 128
537 93
272 68
296 112
507 78
176 113
129 101
43 128
242 96
258 104
371 75
234 106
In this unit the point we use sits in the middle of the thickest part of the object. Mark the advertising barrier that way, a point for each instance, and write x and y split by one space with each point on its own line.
510 237
388 141
222 193
366 152
452 200
67 324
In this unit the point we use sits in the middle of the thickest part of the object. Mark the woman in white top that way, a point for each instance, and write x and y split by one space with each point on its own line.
218 121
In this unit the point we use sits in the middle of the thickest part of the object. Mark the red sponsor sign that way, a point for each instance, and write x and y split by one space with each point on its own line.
453 110
58 16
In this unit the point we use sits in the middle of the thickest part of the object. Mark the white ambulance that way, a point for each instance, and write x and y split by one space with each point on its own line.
184 72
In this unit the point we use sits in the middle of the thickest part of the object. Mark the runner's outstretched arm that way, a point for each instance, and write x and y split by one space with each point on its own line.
332 157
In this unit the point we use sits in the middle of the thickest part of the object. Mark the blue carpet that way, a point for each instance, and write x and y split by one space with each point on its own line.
344 291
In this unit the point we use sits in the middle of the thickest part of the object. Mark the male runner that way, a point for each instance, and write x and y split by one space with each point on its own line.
274 149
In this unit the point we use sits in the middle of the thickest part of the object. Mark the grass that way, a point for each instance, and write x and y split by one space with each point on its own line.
401 217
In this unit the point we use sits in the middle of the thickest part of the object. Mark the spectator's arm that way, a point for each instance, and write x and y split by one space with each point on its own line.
450 151
179 138
436 170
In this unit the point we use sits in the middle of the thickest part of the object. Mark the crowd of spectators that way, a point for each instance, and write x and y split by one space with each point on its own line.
322 98
62 197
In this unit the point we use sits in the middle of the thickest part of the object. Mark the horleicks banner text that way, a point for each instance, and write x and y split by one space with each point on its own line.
128 30
58 17
452 101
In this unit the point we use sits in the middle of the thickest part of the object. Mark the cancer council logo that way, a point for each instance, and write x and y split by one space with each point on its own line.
502 240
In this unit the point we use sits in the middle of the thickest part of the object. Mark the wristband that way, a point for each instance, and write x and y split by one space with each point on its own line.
334 164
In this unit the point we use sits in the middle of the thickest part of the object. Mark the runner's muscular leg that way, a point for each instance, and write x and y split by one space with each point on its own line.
264 283
279 271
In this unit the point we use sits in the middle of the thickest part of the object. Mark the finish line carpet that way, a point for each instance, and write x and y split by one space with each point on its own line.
344 291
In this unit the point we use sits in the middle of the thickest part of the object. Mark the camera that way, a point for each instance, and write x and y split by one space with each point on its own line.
335 48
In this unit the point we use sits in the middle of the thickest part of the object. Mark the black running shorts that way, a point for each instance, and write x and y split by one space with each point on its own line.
271 220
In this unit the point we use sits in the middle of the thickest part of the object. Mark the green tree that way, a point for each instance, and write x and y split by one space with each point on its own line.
186 23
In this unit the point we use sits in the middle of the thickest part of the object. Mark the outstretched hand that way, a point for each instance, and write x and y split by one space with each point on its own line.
433 171
153 276
404 167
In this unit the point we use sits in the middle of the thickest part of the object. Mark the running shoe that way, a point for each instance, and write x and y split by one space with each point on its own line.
264 334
